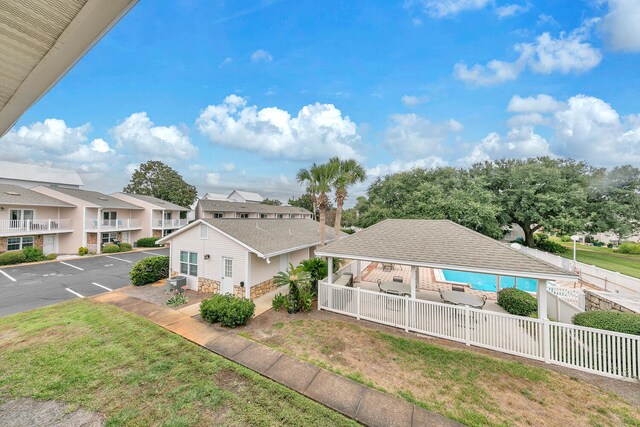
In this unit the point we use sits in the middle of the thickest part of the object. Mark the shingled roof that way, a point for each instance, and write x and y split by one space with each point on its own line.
97 199
161 204
15 195
266 237
229 206
440 244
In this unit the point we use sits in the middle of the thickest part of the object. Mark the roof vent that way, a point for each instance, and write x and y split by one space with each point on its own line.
12 193
103 198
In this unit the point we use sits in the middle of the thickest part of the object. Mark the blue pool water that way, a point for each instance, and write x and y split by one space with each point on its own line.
487 282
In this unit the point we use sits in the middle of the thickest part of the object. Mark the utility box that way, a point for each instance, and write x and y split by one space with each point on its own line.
176 283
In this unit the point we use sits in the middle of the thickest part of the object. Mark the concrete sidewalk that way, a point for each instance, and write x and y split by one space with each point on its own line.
362 403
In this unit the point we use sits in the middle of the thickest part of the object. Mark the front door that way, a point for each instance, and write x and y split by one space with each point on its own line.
49 244
227 276
125 237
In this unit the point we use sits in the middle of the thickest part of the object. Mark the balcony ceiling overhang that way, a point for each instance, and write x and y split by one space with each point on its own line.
40 41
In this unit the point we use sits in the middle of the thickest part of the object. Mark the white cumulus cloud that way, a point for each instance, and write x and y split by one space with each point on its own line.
316 132
518 143
261 55
139 134
412 100
410 136
514 9
621 25
443 8
401 166
541 103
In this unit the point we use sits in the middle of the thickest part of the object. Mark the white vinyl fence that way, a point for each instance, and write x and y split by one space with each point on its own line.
560 307
605 279
601 352
352 268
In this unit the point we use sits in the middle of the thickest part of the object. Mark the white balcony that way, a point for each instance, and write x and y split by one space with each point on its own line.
112 224
35 226
169 223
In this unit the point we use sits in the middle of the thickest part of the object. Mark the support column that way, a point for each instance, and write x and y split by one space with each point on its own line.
541 293
330 265
413 281
358 271
498 284
247 280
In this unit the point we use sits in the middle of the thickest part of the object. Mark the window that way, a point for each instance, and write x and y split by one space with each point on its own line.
204 231
18 215
17 243
167 216
189 263
263 216
280 216
108 237
244 215
109 218
218 215
166 232
228 267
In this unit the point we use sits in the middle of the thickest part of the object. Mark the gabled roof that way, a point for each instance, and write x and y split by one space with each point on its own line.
97 199
229 206
440 244
265 237
248 196
15 195
161 204
37 173
214 196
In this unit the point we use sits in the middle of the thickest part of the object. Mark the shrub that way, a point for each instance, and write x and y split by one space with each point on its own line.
227 309
279 302
51 257
550 246
516 301
147 242
32 254
177 300
83 251
125 247
629 248
565 238
12 257
628 323
110 248
300 288
347 230
149 270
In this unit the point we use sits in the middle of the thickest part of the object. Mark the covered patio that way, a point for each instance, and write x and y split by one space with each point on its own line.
414 247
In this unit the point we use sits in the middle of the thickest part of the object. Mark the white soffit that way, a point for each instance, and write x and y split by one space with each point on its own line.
40 40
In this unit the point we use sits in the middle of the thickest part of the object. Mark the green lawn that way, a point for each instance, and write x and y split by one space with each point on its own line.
605 258
100 358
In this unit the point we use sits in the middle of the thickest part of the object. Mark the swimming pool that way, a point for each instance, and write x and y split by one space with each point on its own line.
487 282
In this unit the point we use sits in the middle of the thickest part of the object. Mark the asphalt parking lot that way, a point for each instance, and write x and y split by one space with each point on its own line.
26 287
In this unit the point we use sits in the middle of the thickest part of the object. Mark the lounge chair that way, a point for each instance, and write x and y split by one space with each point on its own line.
387 266
457 288
397 279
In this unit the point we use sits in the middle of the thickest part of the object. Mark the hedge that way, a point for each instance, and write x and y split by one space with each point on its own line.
227 309
147 242
110 248
628 323
12 257
125 247
518 302
149 270
32 254
629 248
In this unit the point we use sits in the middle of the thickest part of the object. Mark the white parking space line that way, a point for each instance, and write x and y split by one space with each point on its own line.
119 259
151 253
7 276
72 266
74 292
101 286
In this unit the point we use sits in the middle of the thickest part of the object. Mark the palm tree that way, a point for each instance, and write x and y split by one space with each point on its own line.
304 178
320 178
347 173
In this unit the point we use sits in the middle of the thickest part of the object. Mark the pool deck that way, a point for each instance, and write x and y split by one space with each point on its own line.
427 281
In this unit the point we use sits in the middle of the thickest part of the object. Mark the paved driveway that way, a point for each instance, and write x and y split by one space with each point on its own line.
26 287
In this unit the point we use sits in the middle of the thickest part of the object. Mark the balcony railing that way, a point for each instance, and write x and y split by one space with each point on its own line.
169 223
112 224
34 226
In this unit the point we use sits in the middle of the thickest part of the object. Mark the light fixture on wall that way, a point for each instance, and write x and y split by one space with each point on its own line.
207 256
242 284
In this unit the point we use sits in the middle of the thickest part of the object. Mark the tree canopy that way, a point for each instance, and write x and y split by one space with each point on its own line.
157 179
273 202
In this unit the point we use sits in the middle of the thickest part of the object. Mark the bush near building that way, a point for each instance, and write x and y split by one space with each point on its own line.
147 242
149 270
518 302
227 309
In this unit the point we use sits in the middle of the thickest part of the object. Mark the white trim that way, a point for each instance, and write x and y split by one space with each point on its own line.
101 286
7 276
522 274
74 293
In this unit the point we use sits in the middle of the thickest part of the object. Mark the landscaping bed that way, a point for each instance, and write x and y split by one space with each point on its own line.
101 359
466 385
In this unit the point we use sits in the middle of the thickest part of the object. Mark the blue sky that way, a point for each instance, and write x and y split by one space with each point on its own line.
241 94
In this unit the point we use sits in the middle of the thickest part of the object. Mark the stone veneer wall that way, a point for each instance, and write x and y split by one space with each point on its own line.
156 233
3 244
594 301
262 288
208 285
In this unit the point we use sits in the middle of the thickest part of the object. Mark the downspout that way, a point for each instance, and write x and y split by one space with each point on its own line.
99 234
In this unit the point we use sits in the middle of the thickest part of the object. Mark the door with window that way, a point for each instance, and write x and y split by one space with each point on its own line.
227 275
166 219
109 218
21 218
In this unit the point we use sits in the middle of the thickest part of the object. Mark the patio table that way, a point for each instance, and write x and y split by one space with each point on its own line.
461 298
400 288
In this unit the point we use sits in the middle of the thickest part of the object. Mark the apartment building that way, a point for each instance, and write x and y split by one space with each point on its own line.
159 217
207 209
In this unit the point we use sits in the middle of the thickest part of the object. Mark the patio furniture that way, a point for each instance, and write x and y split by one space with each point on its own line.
464 299
387 266
397 279
457 288
395 288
